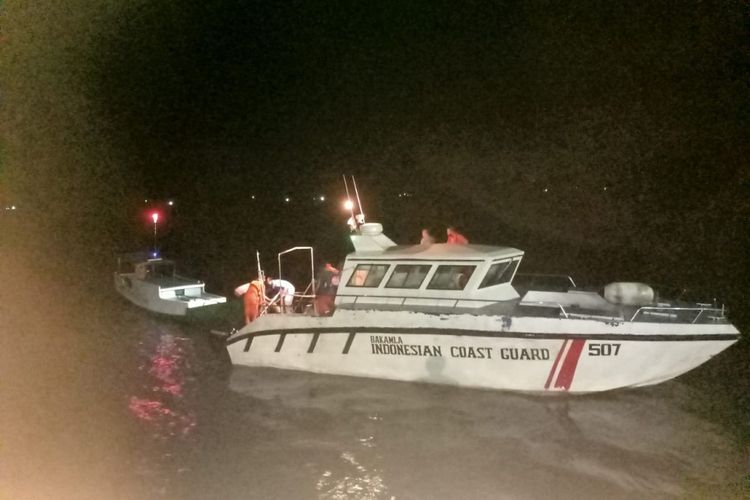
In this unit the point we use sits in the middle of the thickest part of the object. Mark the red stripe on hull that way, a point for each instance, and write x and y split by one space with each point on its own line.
554 365
568 370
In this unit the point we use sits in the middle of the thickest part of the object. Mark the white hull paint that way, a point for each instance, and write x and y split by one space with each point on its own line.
164 300
529 354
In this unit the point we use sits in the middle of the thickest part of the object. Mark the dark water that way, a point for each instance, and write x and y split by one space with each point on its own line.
101 400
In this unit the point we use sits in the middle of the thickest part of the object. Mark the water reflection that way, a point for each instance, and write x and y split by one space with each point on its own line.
163 404
371 439
353 480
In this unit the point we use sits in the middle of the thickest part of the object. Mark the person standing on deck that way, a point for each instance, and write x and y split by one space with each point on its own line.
455 238
253 300
328 283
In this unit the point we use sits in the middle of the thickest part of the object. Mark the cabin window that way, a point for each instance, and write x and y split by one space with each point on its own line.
500 272
451 277
162 271
126 268
407 276
368 275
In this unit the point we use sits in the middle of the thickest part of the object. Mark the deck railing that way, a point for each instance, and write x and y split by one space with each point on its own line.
578 315
661 313
533 277
658 313
676 313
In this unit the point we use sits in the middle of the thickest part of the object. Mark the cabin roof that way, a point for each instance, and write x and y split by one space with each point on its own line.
439 251
142 258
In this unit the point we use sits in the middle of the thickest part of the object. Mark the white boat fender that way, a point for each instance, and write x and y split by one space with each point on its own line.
629 294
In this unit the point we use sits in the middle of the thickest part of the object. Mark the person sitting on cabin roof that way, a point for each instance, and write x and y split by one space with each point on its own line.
427 238
455 238
285 290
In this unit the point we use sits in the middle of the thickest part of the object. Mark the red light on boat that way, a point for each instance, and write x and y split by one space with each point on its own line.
155 217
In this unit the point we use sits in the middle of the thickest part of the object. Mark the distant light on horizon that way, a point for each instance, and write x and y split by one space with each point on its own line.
287 199
170 203
322 198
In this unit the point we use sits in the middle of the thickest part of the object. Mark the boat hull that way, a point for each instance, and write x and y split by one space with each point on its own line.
151 297
509 353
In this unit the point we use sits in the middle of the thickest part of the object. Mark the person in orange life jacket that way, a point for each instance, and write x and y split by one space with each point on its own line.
328 282
455 238
253 300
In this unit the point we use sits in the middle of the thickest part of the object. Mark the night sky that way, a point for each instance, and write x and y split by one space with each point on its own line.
593 127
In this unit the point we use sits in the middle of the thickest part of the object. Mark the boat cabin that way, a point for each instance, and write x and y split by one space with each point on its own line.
155 269
146 269
425 277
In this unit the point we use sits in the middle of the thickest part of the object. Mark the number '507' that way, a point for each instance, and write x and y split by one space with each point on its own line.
604 349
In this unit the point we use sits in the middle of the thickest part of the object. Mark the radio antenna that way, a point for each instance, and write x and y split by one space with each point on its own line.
261 276
359 203
348 199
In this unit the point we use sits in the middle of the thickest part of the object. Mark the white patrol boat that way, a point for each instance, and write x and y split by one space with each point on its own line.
153 284
459 315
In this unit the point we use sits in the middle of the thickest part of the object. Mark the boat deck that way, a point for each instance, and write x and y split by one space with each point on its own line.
173 281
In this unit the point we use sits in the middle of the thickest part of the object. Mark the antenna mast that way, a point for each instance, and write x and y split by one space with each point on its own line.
351 205
359 203
261 277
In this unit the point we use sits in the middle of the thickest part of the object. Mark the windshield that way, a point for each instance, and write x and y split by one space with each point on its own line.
162 270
